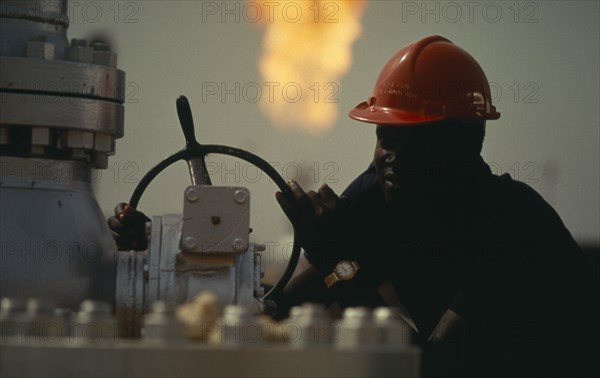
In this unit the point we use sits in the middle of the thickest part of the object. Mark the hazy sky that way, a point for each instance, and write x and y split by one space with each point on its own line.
542 59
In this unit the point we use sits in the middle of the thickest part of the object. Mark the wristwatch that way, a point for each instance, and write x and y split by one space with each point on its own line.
344 270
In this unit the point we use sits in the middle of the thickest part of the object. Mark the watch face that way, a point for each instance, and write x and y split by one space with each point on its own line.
345 270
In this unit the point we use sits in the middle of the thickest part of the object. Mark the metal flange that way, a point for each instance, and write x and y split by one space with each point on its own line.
60 100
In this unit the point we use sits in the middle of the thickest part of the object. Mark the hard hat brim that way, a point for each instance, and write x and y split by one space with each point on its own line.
387 116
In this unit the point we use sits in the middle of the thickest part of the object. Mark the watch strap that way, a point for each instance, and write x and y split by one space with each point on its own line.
331 279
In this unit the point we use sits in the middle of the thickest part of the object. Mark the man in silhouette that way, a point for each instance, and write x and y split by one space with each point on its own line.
484 270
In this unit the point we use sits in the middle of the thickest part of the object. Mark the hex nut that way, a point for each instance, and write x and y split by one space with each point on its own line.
105 58
100 160
81 42
80 139
39 306
192 194
100 46
189 243
103 142
239 245
240 196
95 307
94 320
40 136
40 50
392 330
79 54
357 329
4 136
11 306
239 327
148 228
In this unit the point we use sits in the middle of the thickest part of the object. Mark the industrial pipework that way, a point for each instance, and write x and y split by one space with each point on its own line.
61 111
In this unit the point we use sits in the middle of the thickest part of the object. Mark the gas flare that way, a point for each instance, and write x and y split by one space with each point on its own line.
306 50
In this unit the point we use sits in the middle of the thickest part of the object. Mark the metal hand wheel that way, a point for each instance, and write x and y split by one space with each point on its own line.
194 154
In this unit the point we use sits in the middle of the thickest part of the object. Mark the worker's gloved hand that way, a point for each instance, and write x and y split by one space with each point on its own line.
445 348
128 227
314 215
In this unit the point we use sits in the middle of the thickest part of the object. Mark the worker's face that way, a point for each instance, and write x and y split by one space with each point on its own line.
412 160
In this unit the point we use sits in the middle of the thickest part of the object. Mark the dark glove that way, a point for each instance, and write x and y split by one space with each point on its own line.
444 352
128 227
316 217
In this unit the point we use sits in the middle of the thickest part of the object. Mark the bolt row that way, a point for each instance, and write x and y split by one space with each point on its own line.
307 326
96 53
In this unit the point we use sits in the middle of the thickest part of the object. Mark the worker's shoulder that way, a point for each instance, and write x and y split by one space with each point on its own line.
520 202
513 192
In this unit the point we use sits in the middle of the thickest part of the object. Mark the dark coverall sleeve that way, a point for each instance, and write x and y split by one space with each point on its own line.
333 233
323 252
531 303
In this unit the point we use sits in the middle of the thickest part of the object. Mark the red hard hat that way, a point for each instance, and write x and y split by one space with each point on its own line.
429 80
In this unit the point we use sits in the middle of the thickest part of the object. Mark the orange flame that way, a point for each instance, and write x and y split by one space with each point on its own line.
307 49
